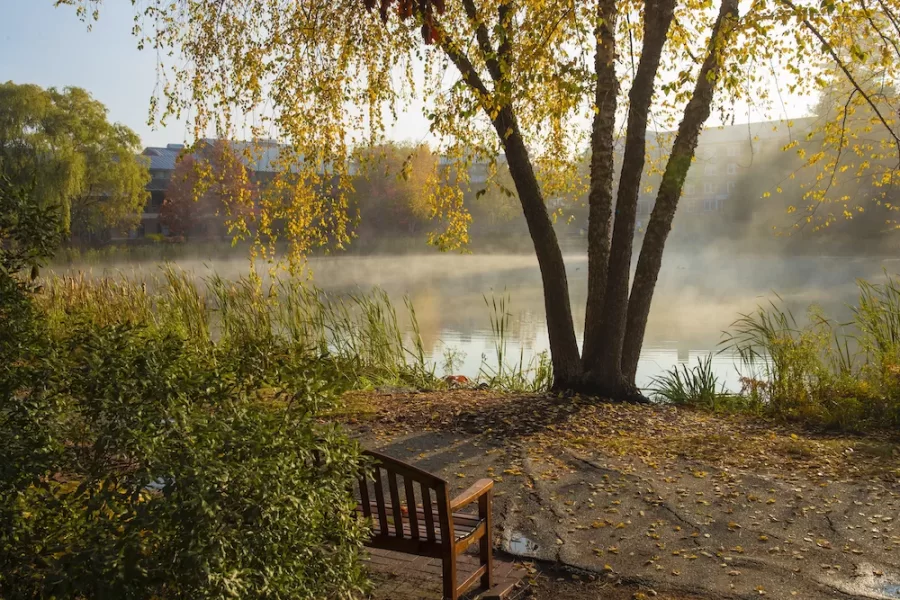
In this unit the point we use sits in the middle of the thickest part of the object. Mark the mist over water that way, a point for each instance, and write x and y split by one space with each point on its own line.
700 293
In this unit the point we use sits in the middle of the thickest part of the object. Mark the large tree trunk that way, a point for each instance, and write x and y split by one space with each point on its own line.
657 19
695 114
601 189
560 327
563 345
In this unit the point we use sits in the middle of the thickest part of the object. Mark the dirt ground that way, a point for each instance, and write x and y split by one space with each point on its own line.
622 501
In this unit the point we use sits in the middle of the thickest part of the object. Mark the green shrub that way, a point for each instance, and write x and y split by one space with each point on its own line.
137 462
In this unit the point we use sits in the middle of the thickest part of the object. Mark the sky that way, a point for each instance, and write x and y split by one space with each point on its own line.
50 46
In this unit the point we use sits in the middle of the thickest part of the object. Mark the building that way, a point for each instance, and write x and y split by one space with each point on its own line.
725 155
162 165
263 163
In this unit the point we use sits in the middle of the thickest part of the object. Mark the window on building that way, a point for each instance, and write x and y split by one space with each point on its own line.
732 150
712 204
709 188
710 169
731 186
690 189
732 169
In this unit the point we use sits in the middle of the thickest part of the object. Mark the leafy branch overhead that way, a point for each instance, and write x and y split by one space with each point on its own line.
424 9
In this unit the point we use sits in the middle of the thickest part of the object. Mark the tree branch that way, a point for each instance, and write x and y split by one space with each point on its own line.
837 160
878 30
891 17
484 42
504 15
837 59
465 67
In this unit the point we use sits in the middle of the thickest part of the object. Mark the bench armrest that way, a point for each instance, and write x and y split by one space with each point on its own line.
478 489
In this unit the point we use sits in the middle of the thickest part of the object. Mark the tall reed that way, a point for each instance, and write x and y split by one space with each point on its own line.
842 375
533 375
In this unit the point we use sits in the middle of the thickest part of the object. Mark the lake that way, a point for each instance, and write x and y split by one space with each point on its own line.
700 293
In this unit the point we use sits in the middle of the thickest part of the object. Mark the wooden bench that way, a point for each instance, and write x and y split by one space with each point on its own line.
426 522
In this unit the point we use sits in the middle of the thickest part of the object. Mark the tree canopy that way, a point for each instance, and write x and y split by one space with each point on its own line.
394 186
62 143
208 183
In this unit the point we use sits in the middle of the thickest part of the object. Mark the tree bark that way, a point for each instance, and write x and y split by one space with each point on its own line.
564 354
695 114
600 195
657 19
563 345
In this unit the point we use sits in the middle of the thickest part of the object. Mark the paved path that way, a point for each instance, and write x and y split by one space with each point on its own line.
600 489
398 576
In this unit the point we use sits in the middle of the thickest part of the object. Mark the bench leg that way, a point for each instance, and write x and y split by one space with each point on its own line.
486 547
449 579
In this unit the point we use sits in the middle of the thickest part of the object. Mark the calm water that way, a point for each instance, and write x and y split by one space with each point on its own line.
699 294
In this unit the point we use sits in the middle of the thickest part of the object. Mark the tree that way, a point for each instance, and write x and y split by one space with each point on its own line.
394 186
62 142
29 234
209 183
516 76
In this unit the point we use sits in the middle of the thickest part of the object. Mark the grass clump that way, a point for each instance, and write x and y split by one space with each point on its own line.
358 335
533 375
687 386
361 335
696 386
843 376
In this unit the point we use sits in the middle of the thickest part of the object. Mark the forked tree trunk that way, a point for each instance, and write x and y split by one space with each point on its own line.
606 367
695 114
563 345
614 322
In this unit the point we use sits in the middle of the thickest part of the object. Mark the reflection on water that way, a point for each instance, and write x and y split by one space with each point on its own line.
520 545
699 294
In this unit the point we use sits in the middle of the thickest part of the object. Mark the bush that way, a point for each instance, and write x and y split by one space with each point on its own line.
138 459
158 471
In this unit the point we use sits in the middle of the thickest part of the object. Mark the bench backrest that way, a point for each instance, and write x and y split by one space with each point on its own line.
428 530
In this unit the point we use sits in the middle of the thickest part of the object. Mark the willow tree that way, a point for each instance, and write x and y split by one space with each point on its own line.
61 146
539 80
